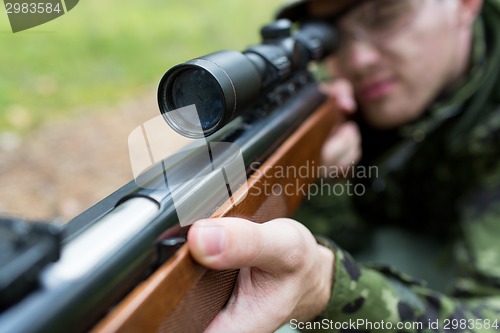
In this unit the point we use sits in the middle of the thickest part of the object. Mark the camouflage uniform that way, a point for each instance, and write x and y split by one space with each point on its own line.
439 176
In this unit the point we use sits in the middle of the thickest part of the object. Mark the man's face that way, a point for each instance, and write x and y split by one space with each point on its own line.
397 74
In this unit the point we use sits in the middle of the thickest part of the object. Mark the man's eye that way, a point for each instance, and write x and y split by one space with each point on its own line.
389 14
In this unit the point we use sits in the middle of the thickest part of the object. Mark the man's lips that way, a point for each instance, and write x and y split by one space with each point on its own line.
376 89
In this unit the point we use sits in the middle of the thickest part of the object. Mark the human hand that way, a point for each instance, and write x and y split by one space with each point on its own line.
284 273
342 148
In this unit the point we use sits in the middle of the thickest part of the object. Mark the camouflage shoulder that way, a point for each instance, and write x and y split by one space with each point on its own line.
485 137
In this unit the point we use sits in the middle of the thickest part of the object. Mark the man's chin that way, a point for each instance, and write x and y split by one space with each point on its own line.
382 116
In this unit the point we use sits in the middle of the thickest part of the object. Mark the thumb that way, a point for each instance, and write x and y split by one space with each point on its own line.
229 243
341 90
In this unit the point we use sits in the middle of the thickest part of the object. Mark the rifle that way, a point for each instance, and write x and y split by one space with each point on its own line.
122 265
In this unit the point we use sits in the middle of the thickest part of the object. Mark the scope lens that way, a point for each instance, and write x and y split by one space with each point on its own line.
220 86
197 86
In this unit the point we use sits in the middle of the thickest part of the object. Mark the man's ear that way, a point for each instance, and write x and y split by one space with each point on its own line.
469 10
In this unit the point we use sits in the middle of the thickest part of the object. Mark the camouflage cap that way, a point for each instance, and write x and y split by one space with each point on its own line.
319 9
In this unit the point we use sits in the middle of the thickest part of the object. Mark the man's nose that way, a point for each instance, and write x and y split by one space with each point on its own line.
361 54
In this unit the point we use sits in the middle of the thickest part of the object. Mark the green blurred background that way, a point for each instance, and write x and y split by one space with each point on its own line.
73 89
103 52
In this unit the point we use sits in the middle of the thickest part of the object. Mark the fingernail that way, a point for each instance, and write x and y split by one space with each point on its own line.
212 239
346 103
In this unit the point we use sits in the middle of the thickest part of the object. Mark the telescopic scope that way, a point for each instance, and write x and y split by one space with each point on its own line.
223 84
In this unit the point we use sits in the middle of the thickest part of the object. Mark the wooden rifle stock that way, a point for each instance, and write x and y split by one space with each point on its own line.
183 296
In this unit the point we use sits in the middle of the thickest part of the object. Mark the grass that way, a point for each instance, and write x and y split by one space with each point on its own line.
103 52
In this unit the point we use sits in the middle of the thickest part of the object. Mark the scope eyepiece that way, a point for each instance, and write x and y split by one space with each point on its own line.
219 85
